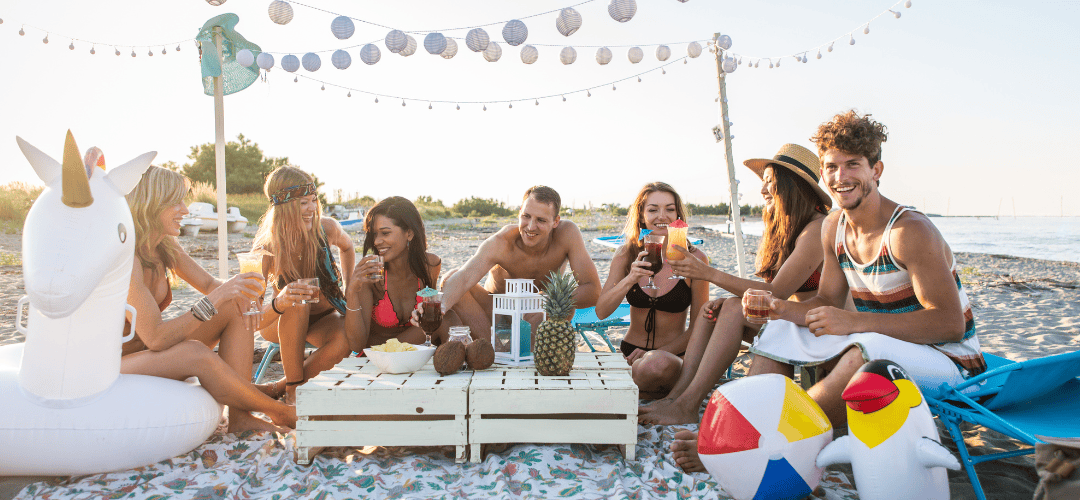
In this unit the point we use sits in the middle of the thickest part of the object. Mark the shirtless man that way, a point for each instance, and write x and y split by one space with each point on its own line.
538 244
901 275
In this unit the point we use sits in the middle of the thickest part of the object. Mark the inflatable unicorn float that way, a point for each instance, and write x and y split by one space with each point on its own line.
67 408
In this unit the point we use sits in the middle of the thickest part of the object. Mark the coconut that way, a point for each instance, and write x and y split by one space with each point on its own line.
480 355
449 357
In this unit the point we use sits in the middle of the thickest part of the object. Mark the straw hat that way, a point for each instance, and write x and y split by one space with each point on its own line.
797 159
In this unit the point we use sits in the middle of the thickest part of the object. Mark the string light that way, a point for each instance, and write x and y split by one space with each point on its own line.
93 44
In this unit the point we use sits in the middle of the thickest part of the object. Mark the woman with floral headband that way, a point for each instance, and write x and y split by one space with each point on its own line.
297 240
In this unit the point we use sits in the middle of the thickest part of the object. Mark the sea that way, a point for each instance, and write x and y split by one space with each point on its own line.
1047 238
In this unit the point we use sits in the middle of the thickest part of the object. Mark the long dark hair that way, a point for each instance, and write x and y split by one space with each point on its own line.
795 204
635 217
404 215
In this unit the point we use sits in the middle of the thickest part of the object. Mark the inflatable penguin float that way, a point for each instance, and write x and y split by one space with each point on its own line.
892 444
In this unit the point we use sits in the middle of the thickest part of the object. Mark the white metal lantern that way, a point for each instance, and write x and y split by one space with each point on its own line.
622 10
342 27
341 59
568 55
280 12
603 55
693 49
311 61
435 43
529 54
511 335
635 54
724 42
290 63
450 50
410 46
265 60
245 57
370 54
395 41
477 40
493 52
568 22
663 53
515 32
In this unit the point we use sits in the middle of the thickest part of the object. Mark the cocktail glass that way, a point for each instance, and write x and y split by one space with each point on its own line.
312 282
431 315
654 245
251 262
757 306
378 274
675 236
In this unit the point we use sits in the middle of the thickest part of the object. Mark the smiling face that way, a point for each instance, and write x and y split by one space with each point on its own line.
391 240
768 187
536 221
309 209
659 211
170 219
849 177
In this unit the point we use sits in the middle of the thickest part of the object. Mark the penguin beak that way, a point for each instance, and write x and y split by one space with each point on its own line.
869 392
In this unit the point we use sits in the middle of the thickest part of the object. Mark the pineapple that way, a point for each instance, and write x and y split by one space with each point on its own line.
555 341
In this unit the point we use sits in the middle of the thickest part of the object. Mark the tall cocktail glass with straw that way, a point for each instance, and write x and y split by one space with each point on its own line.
251 262
676 235
430 312
654 245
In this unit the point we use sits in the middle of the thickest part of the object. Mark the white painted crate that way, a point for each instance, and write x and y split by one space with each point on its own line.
353 404
596 404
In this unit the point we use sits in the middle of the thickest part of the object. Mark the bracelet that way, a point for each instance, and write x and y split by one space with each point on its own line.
358 309
203 309
273 305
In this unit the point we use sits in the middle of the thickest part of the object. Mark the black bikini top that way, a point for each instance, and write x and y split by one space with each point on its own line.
675 301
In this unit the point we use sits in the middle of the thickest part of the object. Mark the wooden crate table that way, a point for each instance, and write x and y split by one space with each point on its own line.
353 404
595 404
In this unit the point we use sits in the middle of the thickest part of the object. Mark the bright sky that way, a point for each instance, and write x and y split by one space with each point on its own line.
976 97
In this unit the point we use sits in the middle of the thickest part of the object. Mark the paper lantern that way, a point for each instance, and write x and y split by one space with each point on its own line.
451 49
340 59
568 55
280 12
245 57
760 437
477 40
635 54
493 52
663 53
693 49
568 22
215 3
529 54
410 46
370 54
730 65
603 55
435 43
724 42
515 32
512 337
395 41
265 60
311 62
342 27
622 10
290 63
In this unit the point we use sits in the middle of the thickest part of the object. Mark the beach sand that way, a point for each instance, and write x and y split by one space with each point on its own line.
1024 308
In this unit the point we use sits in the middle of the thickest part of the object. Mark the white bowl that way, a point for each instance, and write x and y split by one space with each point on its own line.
400 362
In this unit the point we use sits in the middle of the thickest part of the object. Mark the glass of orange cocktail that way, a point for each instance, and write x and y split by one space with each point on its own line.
676 235
251 262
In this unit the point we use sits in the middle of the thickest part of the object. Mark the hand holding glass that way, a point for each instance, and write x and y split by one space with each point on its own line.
431 315
675 236
378 274
251 263
757 306
311 282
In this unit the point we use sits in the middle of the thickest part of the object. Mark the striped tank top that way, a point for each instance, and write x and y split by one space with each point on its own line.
881 286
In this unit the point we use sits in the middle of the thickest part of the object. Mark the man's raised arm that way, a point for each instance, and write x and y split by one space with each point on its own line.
581 264
459 283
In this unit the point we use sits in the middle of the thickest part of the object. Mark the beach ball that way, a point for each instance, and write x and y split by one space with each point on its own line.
280 12
477 40
311 61
342 27
760 437
265 60
450 50
529 54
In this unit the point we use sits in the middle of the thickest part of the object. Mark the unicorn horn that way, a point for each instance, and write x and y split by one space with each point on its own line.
76 185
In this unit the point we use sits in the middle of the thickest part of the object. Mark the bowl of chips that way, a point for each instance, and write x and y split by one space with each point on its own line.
399 357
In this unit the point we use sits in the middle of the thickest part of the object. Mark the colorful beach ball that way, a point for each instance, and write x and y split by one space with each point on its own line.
760 438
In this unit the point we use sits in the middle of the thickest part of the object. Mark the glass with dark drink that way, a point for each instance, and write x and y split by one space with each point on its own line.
757 306
431 315
654 245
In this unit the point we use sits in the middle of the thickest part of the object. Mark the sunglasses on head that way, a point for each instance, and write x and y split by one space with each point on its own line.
291 193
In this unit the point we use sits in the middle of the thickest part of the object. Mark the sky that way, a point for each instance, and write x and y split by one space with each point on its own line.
975 94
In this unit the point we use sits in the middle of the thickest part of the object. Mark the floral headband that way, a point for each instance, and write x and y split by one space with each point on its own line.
291 193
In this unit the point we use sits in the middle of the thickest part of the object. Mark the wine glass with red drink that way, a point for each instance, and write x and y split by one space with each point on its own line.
654 245
431 315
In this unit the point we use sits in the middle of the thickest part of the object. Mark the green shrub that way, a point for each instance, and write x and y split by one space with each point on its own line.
15 201
481 207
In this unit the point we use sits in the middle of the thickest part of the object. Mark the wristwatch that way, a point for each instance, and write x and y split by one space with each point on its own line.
203 309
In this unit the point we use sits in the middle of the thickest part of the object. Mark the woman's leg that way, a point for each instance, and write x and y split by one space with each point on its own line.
227 330
655 372
695 349
328 335
194 359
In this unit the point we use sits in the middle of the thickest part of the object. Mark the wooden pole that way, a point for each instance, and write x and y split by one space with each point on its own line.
219 150
733 185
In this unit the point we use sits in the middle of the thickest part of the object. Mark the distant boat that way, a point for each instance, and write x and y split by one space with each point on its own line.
206 214
354 221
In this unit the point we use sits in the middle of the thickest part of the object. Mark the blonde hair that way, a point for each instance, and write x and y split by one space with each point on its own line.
158 189
282 231
635 218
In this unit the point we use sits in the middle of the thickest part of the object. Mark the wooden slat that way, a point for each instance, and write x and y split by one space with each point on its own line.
382 433
552 431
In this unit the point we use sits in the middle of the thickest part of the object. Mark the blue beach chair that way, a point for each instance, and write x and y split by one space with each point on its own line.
585 320
1023 400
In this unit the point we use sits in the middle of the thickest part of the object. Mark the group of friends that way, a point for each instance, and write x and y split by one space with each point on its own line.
871 279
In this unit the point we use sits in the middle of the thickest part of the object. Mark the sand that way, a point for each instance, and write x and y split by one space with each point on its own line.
1024 308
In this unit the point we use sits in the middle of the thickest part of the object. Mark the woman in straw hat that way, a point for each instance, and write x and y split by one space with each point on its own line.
789 261
180 347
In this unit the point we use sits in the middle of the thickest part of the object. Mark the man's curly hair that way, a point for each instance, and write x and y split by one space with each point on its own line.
852 134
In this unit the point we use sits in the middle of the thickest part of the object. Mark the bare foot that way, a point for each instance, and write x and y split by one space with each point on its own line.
240 421
275 389
654 405
671 414
283 415
684 449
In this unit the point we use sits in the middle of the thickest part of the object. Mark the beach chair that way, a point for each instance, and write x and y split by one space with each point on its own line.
1024 400
271 350
585 320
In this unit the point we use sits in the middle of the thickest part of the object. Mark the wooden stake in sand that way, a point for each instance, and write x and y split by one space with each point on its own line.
736 212
219 155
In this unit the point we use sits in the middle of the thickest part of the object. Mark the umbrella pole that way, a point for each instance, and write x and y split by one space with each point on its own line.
219 156
736 213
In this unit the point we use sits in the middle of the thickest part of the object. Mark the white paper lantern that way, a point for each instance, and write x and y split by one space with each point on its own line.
635 54
280 12
603 55
529 54
215 3
312 62
265 60
435 43
370 54
663 53
493 52
622 10
341 59
410 46
290 63
515 32
245 57
568 22
342 27
451 49
693 49
730 65
568 55
477 40
395 41
724 42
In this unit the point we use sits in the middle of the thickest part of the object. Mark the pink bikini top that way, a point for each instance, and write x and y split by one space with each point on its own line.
384 314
